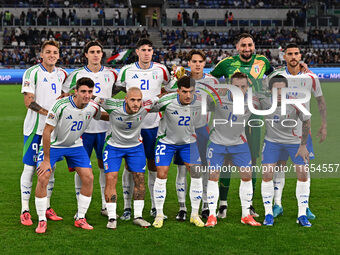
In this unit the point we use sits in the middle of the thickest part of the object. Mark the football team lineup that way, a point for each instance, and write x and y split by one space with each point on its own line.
131 129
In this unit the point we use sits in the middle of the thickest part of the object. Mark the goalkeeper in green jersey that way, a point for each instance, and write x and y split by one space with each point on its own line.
255 66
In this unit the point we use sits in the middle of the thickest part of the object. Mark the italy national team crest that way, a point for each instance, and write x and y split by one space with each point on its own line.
88 116
154 75
257 69
157 159
106 166
107 79
50 116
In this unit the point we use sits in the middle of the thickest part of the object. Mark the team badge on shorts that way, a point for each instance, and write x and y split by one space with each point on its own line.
26 84
106 166
157 159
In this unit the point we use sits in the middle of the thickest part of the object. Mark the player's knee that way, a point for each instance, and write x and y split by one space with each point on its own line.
44 179
111 179
87 178
267 178
214 176
195 171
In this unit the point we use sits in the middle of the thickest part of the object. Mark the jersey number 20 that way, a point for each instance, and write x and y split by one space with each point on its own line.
77 125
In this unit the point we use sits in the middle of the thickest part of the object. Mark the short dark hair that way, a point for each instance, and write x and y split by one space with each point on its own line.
277 78
50 42
186 82
238 75
292 45
196 52
244 35
143 41
85 81
92 43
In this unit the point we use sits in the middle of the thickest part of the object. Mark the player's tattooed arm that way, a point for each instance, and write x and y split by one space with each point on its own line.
139 189
31 104
322 133
117 89
305 131
302 151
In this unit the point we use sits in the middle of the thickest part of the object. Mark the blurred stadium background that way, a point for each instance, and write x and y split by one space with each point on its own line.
211 25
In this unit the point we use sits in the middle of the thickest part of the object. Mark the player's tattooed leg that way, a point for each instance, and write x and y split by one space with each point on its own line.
139 189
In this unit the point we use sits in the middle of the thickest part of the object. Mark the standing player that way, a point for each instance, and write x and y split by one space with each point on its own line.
228 138
310 81
149 77
176 133
67 119
126 117
205 84
41 86
255 66
94 136
283 139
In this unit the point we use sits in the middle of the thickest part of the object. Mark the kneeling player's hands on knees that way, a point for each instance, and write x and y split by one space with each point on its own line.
43 168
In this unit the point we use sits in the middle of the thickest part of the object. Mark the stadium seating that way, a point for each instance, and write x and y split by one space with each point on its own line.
214 34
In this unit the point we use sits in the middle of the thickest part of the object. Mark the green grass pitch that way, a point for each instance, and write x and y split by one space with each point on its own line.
228 237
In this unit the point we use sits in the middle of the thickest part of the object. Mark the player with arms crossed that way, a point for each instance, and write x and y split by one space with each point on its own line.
66 122
297 79
205 84
280 139
149 77
176 133
255 66
94 136
126 118
227 138
41 86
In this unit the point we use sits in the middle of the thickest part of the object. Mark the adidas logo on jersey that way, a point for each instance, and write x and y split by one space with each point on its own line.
175 113
69 117
119 118
45 80
135 76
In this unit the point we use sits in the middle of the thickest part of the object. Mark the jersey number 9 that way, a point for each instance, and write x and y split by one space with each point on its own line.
54 88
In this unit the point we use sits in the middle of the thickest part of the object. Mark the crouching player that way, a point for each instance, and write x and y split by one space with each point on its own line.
124 141
65 123
176 133
280 140
228 138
